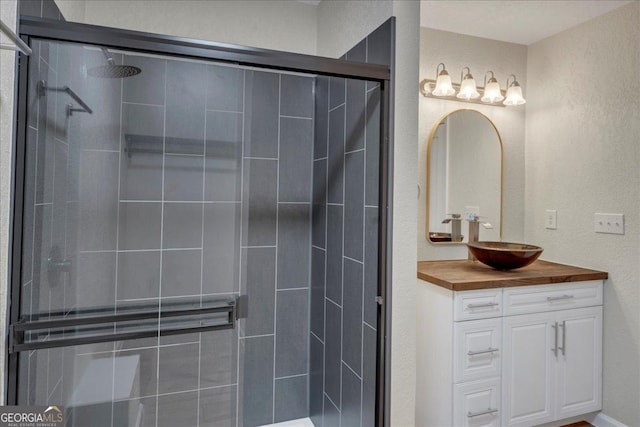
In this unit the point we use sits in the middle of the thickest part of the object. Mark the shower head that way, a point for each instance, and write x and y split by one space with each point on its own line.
112 70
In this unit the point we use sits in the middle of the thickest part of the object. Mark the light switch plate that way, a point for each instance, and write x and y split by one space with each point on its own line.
551 219
609 223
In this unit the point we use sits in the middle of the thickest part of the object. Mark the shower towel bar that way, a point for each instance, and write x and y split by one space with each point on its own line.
19 44
49 328
42 88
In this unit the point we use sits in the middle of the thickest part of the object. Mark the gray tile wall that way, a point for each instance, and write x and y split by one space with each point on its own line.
344 259
188 180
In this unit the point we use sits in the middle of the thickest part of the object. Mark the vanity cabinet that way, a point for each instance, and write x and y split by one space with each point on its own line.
508 356
552 365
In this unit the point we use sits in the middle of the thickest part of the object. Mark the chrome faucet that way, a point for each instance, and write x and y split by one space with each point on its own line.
474 231
456 227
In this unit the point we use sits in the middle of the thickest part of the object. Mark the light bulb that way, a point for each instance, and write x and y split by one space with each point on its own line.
443 85
514 96
492 92
468 89
514 93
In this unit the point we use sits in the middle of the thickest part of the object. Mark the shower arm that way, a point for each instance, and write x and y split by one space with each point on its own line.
108 56
43 88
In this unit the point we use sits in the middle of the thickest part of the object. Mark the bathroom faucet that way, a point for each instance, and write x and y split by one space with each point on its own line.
474 231
456 227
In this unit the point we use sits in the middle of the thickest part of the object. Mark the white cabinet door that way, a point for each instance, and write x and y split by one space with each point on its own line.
528 365
579 372
477 349
477 403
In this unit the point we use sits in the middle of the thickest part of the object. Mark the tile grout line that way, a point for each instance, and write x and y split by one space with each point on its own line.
351 369
204 175
355 260
344 178
242 140
164 131
370 327
53 189
326 255
364 235
275 301
318 338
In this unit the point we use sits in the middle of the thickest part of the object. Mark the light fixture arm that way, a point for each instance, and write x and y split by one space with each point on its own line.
514 82
464 76
493 77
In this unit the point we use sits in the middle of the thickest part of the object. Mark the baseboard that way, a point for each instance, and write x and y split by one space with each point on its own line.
602 420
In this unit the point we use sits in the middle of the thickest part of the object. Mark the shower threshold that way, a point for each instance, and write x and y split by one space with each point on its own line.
300 422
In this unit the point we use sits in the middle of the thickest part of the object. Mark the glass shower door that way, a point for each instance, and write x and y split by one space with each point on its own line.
131 238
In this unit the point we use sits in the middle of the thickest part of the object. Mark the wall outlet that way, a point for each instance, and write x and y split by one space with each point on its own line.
609 223
551 219
470 211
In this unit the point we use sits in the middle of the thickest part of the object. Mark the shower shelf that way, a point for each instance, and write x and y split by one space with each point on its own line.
151 144
42 91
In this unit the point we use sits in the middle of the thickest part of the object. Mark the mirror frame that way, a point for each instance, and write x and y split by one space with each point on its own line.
428 189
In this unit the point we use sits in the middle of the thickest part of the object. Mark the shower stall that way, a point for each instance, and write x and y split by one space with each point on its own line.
200 231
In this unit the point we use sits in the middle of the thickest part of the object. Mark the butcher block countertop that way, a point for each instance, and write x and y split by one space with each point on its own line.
465 275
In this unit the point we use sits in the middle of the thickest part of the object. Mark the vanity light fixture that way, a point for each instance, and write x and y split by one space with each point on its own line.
443 82
467 90
467 86
514 92
492 92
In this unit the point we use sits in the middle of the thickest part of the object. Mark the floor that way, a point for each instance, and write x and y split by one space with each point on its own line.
579 424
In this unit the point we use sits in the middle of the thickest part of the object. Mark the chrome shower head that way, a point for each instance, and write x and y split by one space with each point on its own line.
112 70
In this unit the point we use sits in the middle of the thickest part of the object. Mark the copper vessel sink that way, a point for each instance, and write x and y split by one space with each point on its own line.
504 255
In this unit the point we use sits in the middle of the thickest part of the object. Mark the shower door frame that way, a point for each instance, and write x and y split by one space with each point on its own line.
61 31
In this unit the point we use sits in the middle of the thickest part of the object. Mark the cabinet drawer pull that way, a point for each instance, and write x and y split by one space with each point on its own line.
560 298
489 350
485 305
477 414
564 336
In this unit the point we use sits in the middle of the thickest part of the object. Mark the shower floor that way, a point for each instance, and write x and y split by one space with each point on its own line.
300 422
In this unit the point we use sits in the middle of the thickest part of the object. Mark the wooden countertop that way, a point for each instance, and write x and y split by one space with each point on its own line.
465 275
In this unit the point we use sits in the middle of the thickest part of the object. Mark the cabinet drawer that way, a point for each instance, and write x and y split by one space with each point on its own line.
469 305
477 349
477 403
536 299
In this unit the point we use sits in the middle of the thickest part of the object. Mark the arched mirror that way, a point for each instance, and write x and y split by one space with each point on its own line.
464 177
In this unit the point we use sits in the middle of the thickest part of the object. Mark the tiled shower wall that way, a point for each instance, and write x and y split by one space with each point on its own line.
345 243
187 180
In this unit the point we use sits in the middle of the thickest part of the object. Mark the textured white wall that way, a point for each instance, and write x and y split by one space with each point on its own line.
281 25
343 23
480 55
405 174
583 156
7 78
